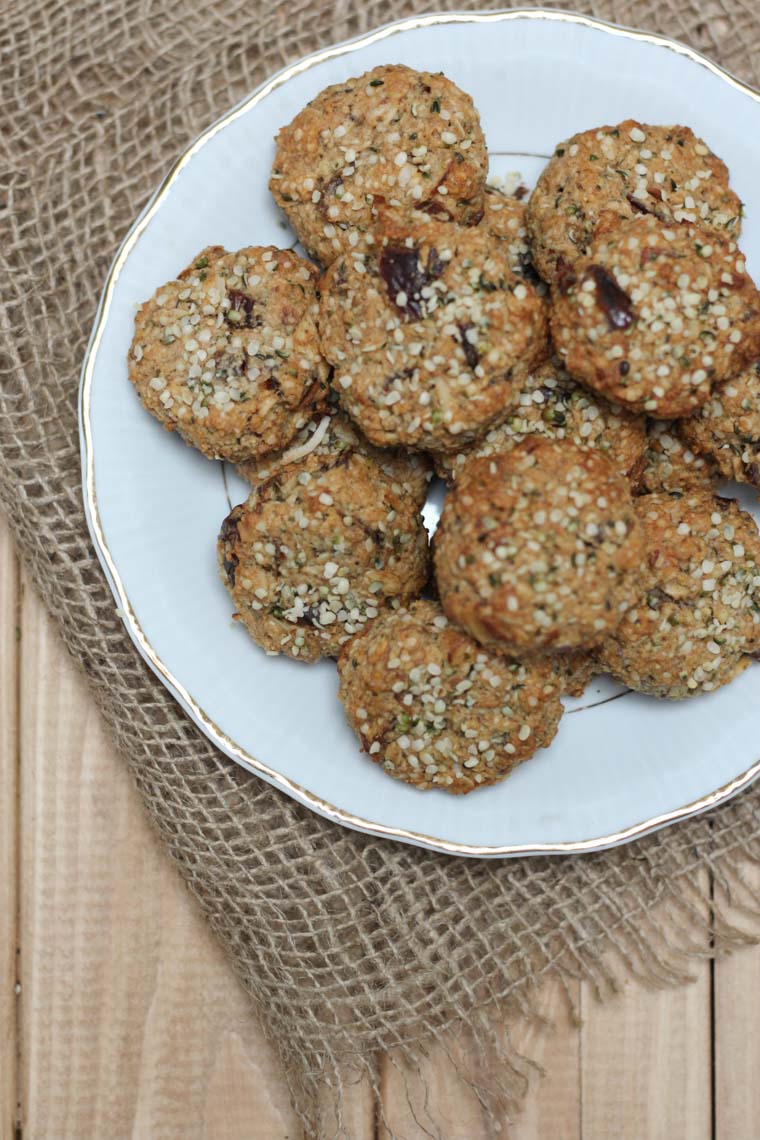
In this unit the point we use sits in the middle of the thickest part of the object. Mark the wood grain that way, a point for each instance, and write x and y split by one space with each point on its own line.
646 1063
737 1041
132 1024
8 837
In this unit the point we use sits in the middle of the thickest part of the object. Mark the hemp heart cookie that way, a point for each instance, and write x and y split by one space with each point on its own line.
618 172
670 464
333 436
228 354
435 709
319 549
726 430
537 549
430 335
504 217
654 315
696 619
551 404
393 136
574 669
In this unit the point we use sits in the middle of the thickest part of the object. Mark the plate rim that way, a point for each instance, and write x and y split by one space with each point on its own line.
139 638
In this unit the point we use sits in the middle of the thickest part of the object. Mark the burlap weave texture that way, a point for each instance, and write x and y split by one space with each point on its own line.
350 945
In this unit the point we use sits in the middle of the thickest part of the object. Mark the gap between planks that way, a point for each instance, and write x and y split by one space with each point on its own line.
647 1060
552 1108
9 822
737 1036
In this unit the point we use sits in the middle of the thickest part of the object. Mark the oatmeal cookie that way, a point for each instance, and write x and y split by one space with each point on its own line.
333 435
670 464
504 217
394 136
319 549
613 173
696 620
575 669
228 354
654 315
537 549
430 336
726 430
437 710
550 403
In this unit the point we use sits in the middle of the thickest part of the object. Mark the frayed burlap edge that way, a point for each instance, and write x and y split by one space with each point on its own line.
349 946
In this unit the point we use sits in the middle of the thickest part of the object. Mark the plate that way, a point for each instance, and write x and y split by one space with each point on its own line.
622 764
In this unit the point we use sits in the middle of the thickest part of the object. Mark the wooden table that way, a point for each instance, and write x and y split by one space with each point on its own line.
119 1017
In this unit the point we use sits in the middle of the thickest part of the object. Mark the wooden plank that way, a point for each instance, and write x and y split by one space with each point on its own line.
551 1109
553 1106
132 1024
8 831
646 1066
737 1039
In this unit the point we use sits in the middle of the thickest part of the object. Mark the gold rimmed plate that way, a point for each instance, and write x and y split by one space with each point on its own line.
622 764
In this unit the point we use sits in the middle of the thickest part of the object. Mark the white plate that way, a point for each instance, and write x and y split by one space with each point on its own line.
619 767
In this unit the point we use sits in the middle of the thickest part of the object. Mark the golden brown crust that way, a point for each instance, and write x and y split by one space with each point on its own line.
228 354
697 616
393 136
550 403
436 710
430 337
726 430
537 549
616 172
318 550
653 316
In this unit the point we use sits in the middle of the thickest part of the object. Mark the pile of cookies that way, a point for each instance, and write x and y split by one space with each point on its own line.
579 366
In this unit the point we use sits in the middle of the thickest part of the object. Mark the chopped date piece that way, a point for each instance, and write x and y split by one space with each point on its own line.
405 276
241 309
613 300
471 354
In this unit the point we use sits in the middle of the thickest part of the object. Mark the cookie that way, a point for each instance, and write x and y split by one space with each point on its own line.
726 430
228 354
435 709
551 404
430 336
696 619
504 217
334 435
574 670
318 550
393 136
670 464
537 548
654 315
613 173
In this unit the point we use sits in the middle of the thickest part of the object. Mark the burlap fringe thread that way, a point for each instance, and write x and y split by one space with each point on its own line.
699 922
350 947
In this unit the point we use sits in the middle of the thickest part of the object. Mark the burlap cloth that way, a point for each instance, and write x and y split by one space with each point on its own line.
349 946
